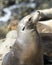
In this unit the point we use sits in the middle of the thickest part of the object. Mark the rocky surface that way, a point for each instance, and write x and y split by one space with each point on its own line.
6 44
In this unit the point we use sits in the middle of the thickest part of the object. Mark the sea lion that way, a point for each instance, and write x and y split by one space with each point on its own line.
27 48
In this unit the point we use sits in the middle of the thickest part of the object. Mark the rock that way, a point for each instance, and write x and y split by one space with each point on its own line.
9 41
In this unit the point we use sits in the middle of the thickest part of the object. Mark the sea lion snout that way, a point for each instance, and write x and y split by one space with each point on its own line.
35 17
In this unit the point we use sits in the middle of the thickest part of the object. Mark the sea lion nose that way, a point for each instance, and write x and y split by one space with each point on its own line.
35 17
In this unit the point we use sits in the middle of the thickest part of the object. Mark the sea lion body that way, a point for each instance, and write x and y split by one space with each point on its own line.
27 48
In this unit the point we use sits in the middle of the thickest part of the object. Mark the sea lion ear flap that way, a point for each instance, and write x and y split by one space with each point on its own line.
35 17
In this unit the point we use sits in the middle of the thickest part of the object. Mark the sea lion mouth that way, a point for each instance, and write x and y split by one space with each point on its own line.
33 20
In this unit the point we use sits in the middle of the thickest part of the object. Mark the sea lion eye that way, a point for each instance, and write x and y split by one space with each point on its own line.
23 28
